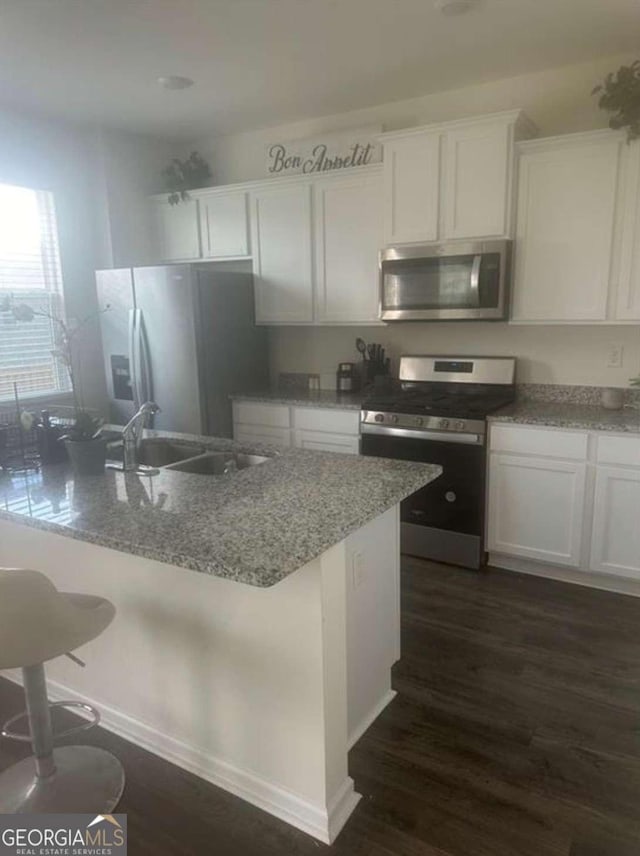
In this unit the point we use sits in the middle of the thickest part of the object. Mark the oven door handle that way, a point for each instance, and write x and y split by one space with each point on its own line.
438 436
475 279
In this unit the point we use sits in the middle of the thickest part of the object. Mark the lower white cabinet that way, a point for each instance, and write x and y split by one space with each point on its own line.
536 508
565 498
321 429
615 539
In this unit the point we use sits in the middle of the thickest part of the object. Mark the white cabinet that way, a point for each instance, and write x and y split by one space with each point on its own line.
451 181
175 231
348 237
627 306
476 189
565 227
615 541
321 429
564 498
411 188
224 224
281 237
536 508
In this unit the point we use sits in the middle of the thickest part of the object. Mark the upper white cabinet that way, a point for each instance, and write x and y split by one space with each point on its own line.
224 224
478 163
411 188
348 236
627 304
281 237
175 230
451 181
566 220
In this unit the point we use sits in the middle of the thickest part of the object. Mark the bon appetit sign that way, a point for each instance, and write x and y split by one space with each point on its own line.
341 150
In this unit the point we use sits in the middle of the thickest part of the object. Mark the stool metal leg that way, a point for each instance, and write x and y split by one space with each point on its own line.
69 779
35 690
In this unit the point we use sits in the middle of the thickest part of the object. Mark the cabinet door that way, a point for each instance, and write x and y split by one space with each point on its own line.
564 232
224 225
628 298
477 173
615 542
282 256
536 508
321 441
348 232
175 230
411 188
261 435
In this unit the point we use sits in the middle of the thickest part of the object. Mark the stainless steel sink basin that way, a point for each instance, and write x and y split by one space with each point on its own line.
218 463
158 453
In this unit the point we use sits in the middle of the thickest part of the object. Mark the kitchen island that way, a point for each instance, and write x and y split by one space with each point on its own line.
258 612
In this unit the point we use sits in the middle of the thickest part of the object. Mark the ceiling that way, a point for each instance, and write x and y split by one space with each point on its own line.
258 63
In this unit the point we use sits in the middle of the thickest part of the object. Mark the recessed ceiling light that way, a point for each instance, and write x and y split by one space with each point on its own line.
175 81
455 7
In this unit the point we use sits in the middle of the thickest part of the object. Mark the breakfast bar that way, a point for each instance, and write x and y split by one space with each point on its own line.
257 610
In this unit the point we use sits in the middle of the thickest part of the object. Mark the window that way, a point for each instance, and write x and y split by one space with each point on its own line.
29 274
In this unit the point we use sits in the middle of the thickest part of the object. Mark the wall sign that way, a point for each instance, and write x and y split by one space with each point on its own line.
342 150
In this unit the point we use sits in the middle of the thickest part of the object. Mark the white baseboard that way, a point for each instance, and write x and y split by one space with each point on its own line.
323 823
605 582
371 716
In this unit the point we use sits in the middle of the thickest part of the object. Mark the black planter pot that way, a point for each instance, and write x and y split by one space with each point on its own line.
87 456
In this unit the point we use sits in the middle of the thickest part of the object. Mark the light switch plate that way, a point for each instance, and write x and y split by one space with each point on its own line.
614 355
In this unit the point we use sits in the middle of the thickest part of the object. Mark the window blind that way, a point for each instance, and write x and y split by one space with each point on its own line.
30 274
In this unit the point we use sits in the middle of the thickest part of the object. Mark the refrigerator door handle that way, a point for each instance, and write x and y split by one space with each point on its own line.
133 357
144 363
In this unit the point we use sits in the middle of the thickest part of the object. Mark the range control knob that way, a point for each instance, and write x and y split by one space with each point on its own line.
394 419
443 423
379 417
419 420
460 425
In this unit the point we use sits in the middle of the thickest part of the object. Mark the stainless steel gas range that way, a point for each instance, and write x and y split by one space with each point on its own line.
438 414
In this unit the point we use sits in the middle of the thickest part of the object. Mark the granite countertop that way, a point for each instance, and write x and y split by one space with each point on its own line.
322 398
255 526
557 414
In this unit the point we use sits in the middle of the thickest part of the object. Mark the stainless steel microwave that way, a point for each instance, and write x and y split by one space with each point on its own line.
456 281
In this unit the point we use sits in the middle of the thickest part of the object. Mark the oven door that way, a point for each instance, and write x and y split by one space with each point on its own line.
443 521
464 281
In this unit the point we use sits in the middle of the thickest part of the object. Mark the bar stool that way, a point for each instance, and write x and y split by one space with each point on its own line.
38 623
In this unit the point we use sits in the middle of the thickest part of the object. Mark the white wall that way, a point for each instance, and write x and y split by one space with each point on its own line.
573 355
558 101
100 180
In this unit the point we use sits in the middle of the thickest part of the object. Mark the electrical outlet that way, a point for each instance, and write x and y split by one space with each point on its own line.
614 355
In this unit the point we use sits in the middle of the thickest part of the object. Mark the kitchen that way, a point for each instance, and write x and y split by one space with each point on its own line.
506 432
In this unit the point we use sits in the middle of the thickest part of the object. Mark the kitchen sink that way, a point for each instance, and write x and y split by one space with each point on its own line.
158 452
218 463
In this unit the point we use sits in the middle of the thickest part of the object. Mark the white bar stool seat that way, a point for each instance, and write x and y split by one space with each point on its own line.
38 623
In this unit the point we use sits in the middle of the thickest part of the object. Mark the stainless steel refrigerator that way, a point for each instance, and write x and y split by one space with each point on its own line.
183 336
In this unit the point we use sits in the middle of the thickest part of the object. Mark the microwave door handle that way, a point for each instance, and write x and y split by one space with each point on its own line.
475 279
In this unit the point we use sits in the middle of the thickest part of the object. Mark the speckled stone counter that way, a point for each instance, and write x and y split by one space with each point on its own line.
555 414
322 398
255 526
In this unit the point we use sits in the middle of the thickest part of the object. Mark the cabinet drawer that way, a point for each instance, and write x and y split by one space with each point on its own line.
570 445
321 441
262 435
622 451
251 413
324 419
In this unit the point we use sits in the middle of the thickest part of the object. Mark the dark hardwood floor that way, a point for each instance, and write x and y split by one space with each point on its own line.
516 732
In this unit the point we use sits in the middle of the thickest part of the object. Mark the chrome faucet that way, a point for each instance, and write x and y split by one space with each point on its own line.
132 434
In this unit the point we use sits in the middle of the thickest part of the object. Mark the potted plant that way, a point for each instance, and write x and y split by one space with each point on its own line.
181 176
620 95
84 442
